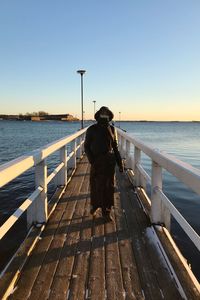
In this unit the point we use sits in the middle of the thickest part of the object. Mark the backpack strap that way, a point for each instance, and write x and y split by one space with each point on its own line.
111 134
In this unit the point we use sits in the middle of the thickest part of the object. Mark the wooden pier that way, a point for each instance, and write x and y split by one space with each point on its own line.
82 257
78 256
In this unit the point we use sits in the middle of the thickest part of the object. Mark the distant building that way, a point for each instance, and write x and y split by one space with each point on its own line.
46 117
63 117
69 118
9 117
36 118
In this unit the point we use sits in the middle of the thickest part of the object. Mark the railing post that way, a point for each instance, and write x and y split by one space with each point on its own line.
82 146
37 212
156 204
62 175
137 159
79 151
72 161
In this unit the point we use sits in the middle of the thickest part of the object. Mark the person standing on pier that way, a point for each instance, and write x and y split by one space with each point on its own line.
101 148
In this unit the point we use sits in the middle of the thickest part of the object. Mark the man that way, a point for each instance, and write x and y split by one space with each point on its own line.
102 151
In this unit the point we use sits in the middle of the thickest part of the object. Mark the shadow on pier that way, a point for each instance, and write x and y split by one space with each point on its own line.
79 256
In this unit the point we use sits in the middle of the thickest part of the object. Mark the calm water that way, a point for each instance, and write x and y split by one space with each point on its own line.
178 138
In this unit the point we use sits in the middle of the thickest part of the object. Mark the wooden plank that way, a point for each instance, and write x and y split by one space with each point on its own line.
63 274
163 284
114 282
96 280
78 285
68 264
145 268
189 288
165 278
7 281
130 274
166 282
33 265
42 285
187 284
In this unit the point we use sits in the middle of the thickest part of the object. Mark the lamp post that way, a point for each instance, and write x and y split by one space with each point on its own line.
81 72
119 118
94 106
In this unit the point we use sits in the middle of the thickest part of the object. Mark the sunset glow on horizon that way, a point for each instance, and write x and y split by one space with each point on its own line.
141 58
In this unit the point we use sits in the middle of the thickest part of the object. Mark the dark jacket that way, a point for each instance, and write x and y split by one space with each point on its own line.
99 141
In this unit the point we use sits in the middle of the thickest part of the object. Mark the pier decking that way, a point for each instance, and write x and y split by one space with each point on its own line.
83 257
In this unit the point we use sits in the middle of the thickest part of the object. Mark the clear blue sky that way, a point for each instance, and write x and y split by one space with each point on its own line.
142 57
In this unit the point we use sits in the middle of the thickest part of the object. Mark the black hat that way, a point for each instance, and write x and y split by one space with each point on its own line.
104 109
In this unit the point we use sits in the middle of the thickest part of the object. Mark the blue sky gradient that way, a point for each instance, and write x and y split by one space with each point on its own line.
141 57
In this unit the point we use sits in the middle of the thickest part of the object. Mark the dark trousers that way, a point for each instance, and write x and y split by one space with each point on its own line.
102 174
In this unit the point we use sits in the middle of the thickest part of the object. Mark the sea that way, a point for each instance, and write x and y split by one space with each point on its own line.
181 139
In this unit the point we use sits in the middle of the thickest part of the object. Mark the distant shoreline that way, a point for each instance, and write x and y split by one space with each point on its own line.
160 121
38 117
90 120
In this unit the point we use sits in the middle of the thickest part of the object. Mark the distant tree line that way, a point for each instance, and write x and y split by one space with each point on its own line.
35 114
38 116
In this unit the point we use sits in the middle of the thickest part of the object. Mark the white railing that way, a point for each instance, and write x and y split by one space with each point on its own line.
36 203
161 207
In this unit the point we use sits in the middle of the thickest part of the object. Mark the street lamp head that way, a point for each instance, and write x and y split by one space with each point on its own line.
81 72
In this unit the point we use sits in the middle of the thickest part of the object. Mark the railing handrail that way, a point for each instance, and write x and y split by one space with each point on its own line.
161 207
36 203
18 166
186 173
